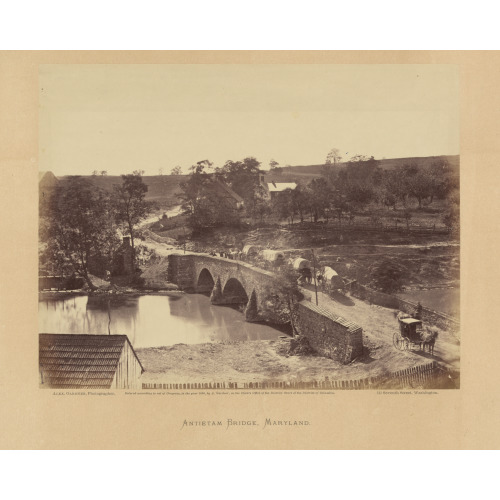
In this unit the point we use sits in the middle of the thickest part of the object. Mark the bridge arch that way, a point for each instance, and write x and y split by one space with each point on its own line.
205 281
234 292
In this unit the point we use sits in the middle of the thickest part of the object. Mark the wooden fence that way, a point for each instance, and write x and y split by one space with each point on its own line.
429 376
436 318
399 228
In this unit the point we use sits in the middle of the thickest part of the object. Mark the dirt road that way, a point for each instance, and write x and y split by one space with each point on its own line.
379 325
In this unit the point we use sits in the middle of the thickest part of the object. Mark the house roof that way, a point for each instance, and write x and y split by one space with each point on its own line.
230 192
410 321
80 361
274 187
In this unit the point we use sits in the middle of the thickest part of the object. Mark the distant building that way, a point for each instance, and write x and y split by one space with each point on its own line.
88 362
226 194
273 187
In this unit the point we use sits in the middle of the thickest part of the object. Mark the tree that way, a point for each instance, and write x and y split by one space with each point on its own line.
176 170
451 219
394 187
359 179
104 172
283 205
333 157
320 198
200 201
340 205
388 276
131 206
81 228
262 206
330 168
243 177
280 302
300 201
420 186
161 170
138 173
274 167
442 181
408 217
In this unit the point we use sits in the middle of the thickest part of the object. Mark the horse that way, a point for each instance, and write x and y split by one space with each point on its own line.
429 340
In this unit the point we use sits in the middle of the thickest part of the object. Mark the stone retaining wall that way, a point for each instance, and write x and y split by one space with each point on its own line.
330 335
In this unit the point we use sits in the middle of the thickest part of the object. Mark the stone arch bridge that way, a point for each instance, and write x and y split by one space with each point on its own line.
200 273
233 282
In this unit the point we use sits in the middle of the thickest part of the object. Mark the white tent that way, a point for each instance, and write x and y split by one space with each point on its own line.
250 249
301 263
331 277
273 255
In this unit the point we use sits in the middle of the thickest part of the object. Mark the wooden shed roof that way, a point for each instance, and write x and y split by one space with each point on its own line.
351 327
80 361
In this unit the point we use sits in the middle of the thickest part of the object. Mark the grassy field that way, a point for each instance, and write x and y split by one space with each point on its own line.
161 188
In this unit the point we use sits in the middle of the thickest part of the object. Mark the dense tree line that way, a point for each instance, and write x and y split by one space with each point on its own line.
340 190
81 223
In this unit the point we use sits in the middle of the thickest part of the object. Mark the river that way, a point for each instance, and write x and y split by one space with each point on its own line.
151 320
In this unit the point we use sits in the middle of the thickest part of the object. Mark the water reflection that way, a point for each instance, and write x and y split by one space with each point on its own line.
150 320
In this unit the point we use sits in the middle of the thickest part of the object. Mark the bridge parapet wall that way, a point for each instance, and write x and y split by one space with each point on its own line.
184 270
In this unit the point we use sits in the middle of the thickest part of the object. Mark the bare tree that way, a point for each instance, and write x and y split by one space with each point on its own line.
333 157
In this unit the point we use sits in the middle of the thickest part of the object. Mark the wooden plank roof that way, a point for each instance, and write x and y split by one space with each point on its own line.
80 361
351 326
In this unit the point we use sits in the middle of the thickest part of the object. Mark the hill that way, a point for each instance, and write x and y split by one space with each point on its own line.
161 188
164 188
307 172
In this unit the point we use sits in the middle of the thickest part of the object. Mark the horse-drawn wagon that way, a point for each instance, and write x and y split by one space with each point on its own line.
412 334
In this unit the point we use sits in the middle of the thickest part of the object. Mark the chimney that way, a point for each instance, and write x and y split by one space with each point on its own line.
126 241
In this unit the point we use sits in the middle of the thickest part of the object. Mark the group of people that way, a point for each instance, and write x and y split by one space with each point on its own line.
306 277
232 255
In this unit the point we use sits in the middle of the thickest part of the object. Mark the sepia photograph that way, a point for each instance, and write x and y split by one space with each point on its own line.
291 227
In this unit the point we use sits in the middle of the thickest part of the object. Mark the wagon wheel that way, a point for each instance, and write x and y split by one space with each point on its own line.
398 341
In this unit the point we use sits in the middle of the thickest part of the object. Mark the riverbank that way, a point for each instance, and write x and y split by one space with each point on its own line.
259 361
131 292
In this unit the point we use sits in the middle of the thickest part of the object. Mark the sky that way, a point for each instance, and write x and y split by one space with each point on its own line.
122 118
